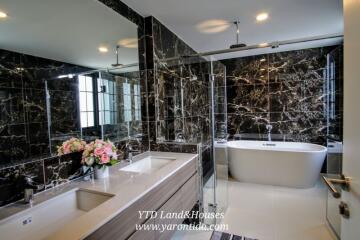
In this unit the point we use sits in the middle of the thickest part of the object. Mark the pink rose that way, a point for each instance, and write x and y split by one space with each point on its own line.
99 151
108 149
67 148
105 158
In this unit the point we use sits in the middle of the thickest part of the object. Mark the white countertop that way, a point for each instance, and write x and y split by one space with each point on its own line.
127 187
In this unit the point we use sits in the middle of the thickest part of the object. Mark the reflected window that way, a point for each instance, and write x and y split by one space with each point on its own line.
132 102
86 96
106 101
137 102
127 101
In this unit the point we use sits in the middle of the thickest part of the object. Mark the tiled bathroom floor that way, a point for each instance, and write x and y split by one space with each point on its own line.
277 213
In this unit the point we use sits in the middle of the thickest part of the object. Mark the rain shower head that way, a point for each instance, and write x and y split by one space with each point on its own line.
117 64
237 45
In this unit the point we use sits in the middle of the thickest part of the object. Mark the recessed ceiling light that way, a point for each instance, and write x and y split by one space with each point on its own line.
263 44
262 17
3 15
103 49
213 26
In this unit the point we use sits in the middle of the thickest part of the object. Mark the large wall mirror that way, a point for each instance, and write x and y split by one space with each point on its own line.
67 69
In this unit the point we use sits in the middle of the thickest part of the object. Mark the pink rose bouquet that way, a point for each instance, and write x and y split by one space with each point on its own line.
70 146
99 153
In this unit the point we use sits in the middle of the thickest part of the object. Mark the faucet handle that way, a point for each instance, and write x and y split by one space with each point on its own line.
29 179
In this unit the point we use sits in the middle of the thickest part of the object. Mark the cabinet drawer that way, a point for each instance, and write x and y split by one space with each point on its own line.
182 201
189 193
144 234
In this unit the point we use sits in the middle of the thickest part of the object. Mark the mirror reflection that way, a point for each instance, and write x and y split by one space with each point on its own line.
58 82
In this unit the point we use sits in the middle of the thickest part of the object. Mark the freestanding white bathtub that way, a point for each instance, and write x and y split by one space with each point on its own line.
289 164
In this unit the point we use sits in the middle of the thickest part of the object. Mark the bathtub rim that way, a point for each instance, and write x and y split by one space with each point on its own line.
230 144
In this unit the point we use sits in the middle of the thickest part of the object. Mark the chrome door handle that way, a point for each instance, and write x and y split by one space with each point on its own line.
344 182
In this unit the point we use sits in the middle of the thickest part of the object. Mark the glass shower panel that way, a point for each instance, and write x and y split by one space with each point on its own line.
190 108
334 108
220 135
215 190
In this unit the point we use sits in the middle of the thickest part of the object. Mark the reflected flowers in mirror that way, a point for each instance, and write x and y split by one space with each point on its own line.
70 146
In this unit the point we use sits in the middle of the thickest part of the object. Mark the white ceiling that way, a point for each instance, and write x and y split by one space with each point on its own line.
66 30
288 19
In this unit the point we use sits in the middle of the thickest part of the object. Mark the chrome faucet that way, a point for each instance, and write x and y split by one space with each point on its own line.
129 151
30 186
269 128
179 136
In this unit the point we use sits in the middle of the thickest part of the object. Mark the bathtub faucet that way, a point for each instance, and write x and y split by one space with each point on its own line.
269 128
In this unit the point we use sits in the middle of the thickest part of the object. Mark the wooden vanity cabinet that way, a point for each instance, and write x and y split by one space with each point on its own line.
176 193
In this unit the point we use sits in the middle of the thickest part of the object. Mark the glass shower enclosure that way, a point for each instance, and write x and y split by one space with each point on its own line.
191 110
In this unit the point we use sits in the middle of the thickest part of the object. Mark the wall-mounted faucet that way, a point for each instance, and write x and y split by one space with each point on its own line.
269 128
179 136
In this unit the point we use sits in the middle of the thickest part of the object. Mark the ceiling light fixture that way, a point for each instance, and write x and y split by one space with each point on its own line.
263 44
3 15
103 49
262 17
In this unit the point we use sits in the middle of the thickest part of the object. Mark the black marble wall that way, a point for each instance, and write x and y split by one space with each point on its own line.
24 137
23 117
285 89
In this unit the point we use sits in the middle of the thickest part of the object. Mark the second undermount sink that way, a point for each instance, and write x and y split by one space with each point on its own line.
148 164
42 220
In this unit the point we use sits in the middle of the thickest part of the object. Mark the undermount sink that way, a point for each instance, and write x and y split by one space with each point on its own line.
47 217
148 164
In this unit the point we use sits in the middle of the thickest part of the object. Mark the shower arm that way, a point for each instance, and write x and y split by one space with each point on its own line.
258 46
237 31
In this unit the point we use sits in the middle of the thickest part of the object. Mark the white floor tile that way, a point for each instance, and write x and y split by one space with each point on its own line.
269 212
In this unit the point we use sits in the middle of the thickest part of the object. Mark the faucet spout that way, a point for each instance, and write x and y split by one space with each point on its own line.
269 128
129 152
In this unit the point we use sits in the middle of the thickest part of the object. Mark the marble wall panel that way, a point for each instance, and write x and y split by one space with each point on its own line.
286 89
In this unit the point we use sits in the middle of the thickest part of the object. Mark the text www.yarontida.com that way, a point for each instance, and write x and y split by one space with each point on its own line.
181 227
